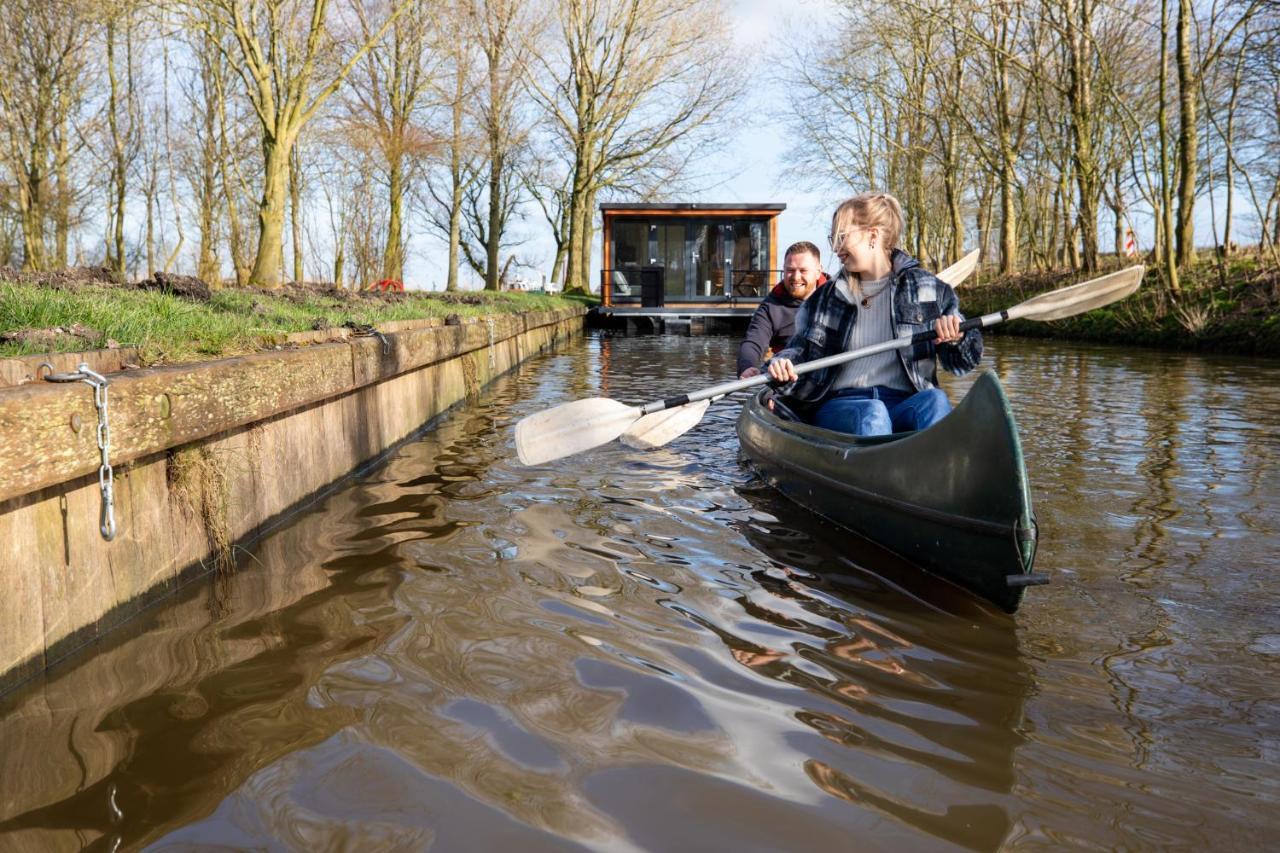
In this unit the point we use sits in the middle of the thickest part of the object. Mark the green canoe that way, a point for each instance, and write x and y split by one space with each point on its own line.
952 499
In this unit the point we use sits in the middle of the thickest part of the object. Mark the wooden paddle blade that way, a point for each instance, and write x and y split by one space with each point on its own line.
961 269
662 427
571 428
1079 298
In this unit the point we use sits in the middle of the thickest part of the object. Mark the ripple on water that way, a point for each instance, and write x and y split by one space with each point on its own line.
655 651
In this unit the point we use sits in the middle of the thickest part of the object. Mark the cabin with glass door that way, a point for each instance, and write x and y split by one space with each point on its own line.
688 260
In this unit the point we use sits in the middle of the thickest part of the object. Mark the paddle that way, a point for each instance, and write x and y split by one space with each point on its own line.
662 427
583 424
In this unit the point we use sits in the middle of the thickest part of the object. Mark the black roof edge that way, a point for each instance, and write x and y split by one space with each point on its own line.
604 206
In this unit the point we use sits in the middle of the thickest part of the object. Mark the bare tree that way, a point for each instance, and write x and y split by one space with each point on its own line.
42 57
505 30
290 63
454 89
1193 62
384 114
629 85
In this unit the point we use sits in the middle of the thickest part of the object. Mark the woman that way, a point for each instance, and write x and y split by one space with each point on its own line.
881 293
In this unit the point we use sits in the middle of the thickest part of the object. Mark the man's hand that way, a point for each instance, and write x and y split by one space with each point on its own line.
948 328
782 370
749 372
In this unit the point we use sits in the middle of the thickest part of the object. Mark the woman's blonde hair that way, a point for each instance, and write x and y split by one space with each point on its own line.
870 210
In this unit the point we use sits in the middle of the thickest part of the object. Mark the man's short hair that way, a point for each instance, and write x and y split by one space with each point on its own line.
802 247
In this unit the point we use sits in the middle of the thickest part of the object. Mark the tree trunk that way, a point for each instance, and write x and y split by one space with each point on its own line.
496 165
115 246
497 162
235 236
1165 215
32 221
455 176
1230 158
207 258
1187 86
455 225
275 178
984 218
587 230
62 198
956 245
1008 222
393 252
295 212
558 267
1080 29
149 196
1117 211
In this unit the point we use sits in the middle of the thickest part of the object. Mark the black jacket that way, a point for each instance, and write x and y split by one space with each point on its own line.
771 326
919 298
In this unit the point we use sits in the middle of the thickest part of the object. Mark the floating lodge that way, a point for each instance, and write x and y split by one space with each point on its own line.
673 267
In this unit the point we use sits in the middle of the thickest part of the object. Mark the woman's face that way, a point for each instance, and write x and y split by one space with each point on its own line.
852 245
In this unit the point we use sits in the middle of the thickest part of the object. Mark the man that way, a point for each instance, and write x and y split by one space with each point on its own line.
775 319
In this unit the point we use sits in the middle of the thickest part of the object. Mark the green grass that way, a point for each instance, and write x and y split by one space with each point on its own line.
171 329
1237 315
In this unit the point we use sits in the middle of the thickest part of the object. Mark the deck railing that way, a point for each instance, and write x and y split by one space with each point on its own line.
647 286
751 284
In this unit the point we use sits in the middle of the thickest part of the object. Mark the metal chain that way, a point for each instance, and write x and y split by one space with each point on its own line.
493 362
106 477
364 330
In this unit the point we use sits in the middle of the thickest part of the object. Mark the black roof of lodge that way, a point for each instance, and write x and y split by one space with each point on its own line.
710 207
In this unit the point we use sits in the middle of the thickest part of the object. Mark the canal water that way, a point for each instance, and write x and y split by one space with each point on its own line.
625 650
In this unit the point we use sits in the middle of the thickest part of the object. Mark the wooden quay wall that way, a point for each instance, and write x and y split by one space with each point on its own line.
206 456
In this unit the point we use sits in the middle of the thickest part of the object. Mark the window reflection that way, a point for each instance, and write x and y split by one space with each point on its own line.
630 252
696 258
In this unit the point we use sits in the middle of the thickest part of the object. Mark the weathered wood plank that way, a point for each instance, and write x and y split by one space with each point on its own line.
48 430
23 369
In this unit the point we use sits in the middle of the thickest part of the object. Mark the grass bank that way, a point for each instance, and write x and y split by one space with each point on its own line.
1232 310
39 316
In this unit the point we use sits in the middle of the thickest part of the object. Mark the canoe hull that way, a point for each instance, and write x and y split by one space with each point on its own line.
952 499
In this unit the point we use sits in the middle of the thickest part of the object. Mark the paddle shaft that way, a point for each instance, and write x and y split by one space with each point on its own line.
818 364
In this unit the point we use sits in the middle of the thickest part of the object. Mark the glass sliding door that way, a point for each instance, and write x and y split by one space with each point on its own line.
749 258
671 256
708 259
630 253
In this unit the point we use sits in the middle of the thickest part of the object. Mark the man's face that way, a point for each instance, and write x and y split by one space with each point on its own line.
800 274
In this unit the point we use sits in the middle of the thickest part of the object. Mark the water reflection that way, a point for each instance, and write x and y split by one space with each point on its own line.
654 651
888 663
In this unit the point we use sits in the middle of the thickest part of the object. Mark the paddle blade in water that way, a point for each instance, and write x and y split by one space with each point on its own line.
659 428
1079 298
961 269
571 428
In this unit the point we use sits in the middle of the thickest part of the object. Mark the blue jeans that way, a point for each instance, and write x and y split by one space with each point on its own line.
881 410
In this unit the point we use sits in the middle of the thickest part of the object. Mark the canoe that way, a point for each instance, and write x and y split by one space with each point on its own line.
952 499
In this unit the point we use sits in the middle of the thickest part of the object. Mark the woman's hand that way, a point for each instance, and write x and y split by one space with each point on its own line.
749 372
948 328
782 370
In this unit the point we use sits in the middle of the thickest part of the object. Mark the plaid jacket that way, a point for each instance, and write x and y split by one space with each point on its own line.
824 327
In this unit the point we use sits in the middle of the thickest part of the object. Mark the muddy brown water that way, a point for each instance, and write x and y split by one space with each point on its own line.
628 650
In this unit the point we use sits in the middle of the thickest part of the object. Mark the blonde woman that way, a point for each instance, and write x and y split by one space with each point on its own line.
881 293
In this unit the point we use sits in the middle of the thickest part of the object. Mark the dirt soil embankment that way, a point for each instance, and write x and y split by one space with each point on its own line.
170 318
1232 309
